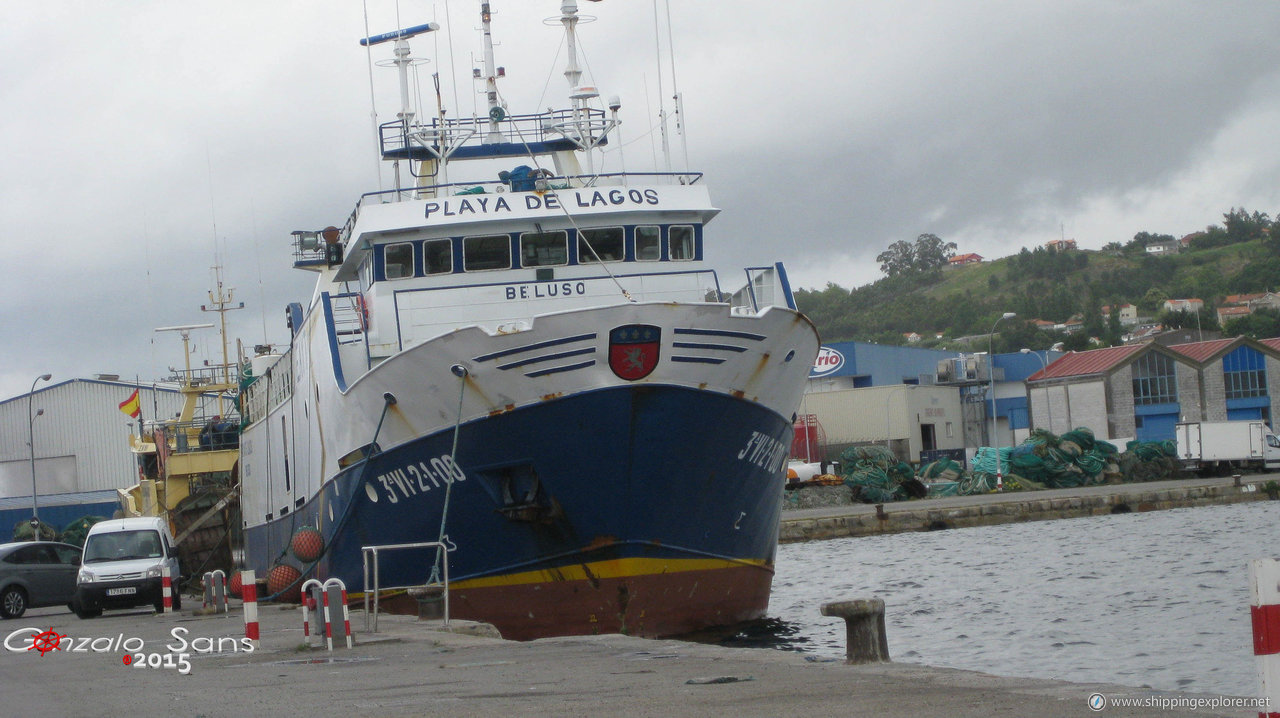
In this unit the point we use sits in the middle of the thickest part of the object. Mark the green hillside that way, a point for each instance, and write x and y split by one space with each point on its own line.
922 297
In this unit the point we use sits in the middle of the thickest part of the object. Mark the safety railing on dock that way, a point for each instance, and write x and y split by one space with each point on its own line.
371 617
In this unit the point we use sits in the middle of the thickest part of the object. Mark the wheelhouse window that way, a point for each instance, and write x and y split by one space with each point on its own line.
397 260
1154 381
648 243
491 251
1244 372
608 243
544 249
681 240
437 256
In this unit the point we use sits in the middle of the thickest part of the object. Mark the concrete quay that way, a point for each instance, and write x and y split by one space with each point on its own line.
413 668
999 508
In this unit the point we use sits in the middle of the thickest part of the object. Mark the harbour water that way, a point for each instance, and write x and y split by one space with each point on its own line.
1156 599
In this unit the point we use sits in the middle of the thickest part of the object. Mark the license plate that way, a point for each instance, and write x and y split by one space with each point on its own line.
125 591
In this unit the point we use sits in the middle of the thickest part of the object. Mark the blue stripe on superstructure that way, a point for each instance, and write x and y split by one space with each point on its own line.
547 357
697 360
560 369
697 345
722 333
329 329
538 345
631 275
786 286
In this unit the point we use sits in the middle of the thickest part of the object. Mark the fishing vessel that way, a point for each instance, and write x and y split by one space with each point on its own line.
187 463
530 362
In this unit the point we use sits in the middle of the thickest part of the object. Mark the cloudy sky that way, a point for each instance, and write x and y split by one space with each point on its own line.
144 141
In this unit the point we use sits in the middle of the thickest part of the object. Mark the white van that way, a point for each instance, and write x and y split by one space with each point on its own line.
121 566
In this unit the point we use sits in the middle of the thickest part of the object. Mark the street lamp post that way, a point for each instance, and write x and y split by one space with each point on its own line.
991 376
31 439
888 407
1045 364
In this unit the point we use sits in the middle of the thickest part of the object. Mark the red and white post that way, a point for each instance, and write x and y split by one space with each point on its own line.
1264 607
309 589
346 617
335 586
220 591
249 592
215 590
166 588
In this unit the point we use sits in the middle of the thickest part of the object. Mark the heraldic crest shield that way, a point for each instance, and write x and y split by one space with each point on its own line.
634 350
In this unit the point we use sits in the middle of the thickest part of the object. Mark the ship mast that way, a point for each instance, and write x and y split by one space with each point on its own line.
496 111
403 61
581 129
220 303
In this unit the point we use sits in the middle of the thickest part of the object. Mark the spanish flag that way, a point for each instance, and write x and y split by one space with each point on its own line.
131 405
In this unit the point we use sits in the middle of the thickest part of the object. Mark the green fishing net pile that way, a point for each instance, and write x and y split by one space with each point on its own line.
877 476
1049 461
1150 461
1044 461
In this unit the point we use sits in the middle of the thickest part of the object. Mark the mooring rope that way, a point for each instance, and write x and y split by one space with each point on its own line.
441 551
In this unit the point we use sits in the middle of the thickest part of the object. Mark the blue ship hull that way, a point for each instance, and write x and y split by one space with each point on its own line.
594 512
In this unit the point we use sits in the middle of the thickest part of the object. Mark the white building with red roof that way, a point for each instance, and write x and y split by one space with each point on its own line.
1142 390
962 259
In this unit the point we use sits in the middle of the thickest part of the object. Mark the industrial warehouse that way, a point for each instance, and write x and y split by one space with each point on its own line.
936 401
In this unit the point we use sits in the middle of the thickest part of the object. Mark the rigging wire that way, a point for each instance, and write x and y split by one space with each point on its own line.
257 252
675 89
551 70
572 222
662 107
453 70
648 110
373 105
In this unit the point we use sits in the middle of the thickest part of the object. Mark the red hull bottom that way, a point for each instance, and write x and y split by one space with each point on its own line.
648 605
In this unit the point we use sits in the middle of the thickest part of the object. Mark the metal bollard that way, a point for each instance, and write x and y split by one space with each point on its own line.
336 586
215 591
311 589
864 625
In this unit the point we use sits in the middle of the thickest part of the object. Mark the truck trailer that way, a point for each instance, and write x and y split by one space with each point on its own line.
1220 445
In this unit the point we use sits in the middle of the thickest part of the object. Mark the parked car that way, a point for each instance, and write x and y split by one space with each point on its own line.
35 574
124 561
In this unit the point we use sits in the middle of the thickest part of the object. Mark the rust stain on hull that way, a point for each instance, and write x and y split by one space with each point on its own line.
651 605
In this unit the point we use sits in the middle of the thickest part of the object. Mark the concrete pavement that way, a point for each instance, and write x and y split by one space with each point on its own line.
412 668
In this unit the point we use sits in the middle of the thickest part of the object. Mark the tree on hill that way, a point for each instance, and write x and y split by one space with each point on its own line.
1244 227
1206 318
927 254
1043 284
1264 323
1020 334
1093 324
1045 263
1154 298
1144 238
1238 225
932 252
898 259
1138 245
1260 275
1112 337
